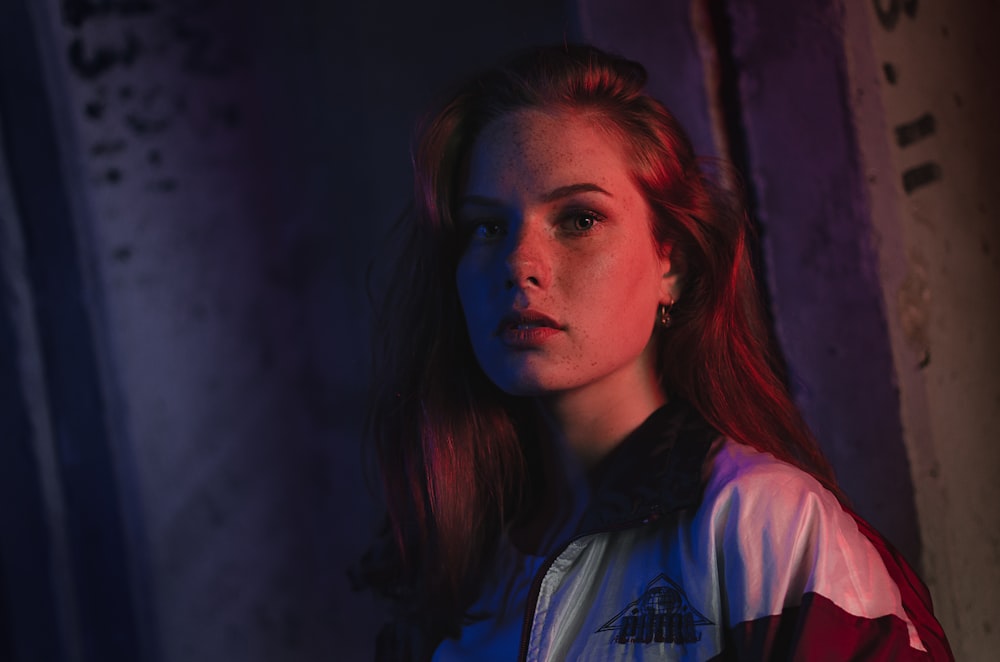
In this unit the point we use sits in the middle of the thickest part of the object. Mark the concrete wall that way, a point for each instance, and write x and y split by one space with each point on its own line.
926 95
231 170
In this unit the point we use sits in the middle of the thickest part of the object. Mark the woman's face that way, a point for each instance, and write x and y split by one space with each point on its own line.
560 278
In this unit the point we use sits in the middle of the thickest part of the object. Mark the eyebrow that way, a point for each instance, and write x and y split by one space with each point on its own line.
572 189
551 196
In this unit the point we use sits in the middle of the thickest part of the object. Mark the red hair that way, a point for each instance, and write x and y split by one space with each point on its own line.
452 448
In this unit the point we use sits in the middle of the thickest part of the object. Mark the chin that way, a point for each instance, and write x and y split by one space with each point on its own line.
520 388
524 377
525 385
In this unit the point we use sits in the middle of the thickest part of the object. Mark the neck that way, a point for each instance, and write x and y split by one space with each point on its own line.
590 422
582 427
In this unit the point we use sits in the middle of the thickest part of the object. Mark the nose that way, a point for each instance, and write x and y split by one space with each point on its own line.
528 264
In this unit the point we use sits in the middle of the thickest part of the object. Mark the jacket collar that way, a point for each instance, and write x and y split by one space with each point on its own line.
657 469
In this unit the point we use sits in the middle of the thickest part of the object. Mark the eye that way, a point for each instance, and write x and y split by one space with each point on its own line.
487 230
581 221
482 229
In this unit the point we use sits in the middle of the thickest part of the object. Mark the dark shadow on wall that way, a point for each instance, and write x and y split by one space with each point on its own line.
40 247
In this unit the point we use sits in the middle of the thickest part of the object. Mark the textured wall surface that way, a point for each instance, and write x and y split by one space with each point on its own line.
230 476
235 168
926 96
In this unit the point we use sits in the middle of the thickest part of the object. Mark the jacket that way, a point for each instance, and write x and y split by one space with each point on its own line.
695 547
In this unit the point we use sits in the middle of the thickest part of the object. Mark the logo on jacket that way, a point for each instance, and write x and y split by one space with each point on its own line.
661 614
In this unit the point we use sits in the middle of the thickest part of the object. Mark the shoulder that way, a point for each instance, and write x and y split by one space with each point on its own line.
757 485
768 510
785 545
769 514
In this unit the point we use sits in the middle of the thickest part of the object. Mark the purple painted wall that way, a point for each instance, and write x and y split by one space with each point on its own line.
821 264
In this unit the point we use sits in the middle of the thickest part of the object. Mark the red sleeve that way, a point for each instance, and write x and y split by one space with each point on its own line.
916 597
818 630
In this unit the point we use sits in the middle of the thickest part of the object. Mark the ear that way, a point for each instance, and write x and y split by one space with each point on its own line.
672 268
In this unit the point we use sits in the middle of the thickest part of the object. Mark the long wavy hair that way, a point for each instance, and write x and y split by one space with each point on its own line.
453 450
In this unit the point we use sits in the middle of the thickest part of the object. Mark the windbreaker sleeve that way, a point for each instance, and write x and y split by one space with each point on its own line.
805 579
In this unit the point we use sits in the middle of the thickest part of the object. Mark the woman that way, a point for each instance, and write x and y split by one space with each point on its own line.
585 446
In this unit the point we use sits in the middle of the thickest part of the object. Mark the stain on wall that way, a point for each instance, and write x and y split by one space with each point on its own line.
147 71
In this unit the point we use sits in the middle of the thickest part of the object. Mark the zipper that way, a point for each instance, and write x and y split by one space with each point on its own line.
536 584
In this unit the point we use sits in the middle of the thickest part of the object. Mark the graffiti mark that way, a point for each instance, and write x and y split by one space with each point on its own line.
918 129
102 60
888 17
77 12
921 175
889 13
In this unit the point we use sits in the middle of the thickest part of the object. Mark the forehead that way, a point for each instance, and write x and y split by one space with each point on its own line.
546 149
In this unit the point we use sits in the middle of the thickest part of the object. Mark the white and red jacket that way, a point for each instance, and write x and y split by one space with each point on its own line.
700 548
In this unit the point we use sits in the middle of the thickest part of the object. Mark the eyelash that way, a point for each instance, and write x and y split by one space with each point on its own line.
571 217
477 229
490 228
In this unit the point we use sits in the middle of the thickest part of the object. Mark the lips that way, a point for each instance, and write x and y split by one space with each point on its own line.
525 329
